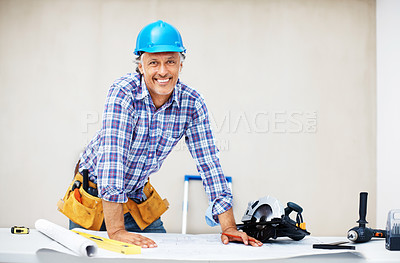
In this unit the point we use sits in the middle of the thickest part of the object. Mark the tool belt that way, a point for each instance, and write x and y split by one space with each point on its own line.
86 210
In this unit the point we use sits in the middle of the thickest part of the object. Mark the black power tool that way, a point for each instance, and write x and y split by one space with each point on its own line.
266 218
361 233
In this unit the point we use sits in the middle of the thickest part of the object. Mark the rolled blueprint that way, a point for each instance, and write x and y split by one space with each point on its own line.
78 244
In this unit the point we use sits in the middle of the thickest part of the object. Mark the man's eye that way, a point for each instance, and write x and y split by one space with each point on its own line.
152 63
171 62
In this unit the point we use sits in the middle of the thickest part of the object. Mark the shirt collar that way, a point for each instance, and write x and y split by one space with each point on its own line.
176 94
142 91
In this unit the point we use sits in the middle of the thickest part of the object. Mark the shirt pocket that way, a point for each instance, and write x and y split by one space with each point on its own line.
169 137
174 128
165 145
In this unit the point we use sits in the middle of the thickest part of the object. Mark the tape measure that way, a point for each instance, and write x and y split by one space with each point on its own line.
19 230
112 245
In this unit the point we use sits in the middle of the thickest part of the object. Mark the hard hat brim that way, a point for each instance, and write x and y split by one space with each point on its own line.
160 48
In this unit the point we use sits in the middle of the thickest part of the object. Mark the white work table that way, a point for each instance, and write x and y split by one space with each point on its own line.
36 247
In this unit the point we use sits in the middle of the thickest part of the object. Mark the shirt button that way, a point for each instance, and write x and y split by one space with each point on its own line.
150 155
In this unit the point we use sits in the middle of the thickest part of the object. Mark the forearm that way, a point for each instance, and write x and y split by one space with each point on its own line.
114 217
227 220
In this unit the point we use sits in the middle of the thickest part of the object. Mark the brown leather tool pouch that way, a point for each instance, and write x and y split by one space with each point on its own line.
88 213
149 210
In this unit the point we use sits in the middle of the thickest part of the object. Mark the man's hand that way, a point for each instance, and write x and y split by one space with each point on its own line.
239 236
132 238
114 217
230 232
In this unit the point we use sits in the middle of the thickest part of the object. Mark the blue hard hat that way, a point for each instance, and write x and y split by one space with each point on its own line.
159 37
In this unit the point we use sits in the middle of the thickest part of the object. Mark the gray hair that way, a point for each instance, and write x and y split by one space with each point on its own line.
138 60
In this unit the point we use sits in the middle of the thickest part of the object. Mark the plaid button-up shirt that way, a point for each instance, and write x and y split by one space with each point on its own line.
135 139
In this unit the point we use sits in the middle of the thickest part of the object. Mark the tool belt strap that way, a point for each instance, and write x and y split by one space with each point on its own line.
87 210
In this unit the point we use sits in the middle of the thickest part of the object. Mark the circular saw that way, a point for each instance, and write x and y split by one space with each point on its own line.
266 218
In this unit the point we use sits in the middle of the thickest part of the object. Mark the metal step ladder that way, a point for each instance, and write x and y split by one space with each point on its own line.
186 196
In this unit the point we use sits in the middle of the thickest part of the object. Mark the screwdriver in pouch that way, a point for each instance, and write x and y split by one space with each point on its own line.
92 191
85 181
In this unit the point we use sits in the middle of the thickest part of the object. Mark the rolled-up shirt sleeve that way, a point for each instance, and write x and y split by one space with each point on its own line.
115 140
201 144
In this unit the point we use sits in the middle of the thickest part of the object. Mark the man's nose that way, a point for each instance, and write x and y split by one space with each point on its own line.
162 69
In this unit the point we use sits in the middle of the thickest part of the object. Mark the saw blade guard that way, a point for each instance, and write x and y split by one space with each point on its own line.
264 209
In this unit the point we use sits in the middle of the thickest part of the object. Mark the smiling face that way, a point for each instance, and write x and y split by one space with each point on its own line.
160 72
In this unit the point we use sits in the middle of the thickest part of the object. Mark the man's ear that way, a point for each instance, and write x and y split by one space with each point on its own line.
180 68
140 67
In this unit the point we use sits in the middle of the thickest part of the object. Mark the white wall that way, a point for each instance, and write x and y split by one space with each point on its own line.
291 86
388 107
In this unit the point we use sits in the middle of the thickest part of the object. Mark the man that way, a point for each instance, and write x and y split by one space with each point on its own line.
145 115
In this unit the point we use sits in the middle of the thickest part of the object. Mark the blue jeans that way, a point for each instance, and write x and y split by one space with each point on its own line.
131 226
